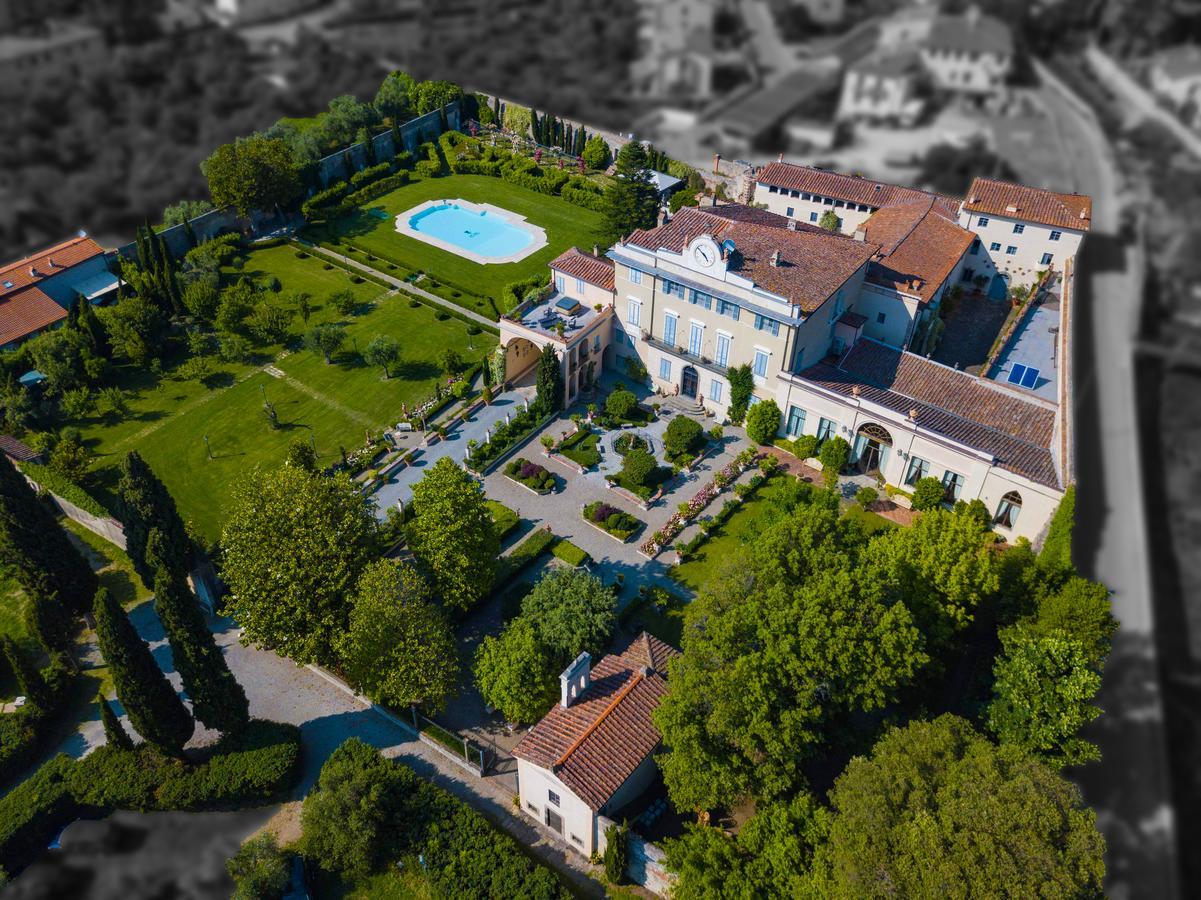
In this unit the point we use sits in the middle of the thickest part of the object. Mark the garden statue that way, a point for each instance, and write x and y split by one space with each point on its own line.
487 435
507 422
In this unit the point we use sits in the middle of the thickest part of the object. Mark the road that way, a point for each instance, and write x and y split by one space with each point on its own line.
1130 787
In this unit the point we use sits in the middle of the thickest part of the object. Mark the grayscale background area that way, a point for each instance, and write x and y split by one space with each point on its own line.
110 105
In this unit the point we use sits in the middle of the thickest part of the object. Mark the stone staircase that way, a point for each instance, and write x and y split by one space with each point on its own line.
681 404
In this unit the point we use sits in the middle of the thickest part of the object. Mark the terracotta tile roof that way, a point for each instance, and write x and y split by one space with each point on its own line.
971 33
46 263
813 263
597 270
24 312
974 411
1000 198
919 248
595 744
851 188
17 450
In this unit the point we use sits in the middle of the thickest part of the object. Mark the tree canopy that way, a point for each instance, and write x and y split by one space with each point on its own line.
253 174
919 818
572 611
631 201
453 536
796 637
399 648
295 545
146 504
512 673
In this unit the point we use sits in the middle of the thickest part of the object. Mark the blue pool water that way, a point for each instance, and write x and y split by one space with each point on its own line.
479 232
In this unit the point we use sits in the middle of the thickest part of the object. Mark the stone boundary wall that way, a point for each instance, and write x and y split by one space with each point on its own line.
413 133
107 527
645 864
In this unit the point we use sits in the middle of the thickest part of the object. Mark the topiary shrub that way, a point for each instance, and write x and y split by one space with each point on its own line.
617 852
638 467
833 455
866 496
681 436
763 421
928 493
620 404
805 447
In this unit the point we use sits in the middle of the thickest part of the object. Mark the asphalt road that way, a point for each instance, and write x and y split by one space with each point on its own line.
1130 787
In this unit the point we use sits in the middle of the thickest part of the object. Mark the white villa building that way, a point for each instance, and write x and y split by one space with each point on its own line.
836 326
593 753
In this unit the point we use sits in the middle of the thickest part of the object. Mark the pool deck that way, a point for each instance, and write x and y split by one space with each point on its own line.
537 234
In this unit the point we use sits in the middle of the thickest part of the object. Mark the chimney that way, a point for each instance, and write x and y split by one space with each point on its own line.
1012 207
716 163
780 158
775 259
913 414
575 679
861 234
1083 215
33 272
792 224
596 250
856 390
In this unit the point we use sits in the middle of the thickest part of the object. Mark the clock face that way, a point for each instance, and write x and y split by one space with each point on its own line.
704 255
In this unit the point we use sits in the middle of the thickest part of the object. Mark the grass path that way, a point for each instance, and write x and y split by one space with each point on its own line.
318 396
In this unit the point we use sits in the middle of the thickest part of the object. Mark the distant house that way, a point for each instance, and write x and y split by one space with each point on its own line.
42 53
665 184
592 754
37 291
1175 77
883 89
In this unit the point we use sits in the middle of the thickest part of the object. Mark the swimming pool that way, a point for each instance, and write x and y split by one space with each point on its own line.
480 232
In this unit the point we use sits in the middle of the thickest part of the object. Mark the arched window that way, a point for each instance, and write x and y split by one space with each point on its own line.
875 432
1008 510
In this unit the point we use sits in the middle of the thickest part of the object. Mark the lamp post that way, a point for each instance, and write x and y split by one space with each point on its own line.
207 448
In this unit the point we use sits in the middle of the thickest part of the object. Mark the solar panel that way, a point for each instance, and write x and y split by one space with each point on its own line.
1016 373
1030 379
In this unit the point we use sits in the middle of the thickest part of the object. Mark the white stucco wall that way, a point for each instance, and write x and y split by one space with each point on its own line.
982 478
970 73
579 822
872 96
809 207
1025 263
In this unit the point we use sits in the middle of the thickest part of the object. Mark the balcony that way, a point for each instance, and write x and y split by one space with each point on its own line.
703 361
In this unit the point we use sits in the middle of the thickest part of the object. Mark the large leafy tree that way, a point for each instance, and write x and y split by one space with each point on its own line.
513 673
394 99
939 811
453 536
631 201
154 709
779 649
572 611
145 505
217 699
767 858
383 351
252 174
941 567
399 648
1081 610
46 564
350 820
295 546
1042 696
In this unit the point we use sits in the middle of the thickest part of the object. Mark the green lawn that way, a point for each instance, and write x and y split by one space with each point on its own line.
870 522
372 228
332 405
725 543
661 614
504 519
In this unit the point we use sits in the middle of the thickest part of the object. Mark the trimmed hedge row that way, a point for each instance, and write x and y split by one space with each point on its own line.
52 481
244 770
535 544
338 200
522 171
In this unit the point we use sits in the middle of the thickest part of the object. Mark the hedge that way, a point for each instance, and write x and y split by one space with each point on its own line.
570 553
1057 548
535 544
23 732
249 769
513 293
61 486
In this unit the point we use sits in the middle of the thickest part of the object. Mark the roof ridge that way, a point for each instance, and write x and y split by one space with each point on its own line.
621 695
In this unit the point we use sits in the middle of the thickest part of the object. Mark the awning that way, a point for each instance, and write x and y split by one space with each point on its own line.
97 286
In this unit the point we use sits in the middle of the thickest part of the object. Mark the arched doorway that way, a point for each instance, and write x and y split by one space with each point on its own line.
521 360
1008 510
688 382
871 448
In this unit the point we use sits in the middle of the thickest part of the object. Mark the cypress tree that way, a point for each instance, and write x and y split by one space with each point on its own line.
550 381
89 323
535 124
189 234
29 679
155 710
143 248
114 732
217 699
442 119
49 623
146 504
47 564
496 110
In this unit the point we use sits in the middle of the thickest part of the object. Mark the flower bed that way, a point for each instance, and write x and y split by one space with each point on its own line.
690 510
630 441
617 522
531 475
522 425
